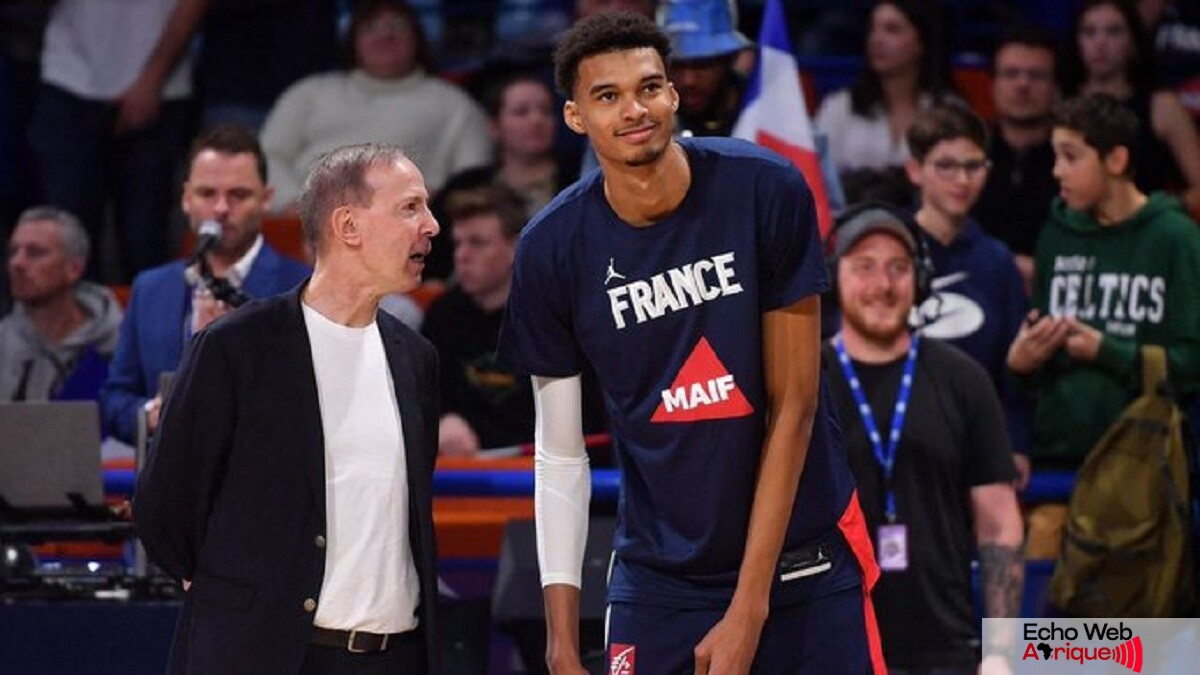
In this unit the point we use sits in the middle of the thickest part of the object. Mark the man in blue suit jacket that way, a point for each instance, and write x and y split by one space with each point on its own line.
226 183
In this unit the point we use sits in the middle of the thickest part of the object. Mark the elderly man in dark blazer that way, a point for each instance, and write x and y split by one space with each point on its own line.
289 488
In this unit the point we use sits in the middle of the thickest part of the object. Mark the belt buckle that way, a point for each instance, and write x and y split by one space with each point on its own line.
350 644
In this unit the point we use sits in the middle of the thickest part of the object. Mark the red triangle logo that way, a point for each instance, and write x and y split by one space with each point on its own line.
703 390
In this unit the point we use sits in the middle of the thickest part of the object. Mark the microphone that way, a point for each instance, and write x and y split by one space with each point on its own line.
207 237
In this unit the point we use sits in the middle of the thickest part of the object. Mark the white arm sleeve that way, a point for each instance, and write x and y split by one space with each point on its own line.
562 480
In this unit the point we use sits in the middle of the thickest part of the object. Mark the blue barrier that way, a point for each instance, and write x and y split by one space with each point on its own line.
1048 486
118 482
458 483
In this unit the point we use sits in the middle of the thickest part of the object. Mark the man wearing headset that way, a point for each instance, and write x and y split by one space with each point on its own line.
926 440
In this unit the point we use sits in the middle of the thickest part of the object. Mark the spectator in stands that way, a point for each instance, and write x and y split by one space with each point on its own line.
1115 269
286 40
57 341
704 43
1016 197
483 404
906 71
523 121
227 183
940 483
978 298
391 94
111 117
1113 56
1175 28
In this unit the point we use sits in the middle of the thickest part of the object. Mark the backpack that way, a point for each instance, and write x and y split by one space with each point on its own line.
1127 547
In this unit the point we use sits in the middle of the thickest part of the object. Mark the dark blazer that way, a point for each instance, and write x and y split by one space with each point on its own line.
151 341
232 496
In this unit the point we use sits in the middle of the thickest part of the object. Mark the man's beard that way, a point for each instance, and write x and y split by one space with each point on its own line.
878 334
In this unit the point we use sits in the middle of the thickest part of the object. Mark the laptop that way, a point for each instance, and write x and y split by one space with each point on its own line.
49 451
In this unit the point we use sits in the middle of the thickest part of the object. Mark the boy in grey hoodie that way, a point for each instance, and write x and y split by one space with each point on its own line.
56 342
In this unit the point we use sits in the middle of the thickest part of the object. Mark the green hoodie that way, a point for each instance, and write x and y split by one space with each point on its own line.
1138 282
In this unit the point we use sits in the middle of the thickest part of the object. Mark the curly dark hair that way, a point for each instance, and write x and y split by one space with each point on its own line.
601 34
1103 121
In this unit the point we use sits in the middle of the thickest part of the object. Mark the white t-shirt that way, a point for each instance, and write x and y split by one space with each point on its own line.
857 142
96 48
370 578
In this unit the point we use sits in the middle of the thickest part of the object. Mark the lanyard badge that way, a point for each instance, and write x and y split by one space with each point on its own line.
892 544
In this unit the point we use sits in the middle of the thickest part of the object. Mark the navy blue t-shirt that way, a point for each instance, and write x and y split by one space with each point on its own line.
670 318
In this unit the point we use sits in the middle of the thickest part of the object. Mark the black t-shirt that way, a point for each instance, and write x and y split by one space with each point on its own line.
1154 164
954 438
1015 201
497 403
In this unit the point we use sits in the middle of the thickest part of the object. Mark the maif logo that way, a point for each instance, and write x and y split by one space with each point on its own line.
621 659
1039 645
703 390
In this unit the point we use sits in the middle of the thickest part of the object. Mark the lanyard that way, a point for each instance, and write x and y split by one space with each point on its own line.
885 455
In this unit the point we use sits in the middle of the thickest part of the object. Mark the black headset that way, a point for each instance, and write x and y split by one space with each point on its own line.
922 261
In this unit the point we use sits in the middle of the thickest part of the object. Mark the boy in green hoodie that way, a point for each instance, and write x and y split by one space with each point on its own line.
1115 269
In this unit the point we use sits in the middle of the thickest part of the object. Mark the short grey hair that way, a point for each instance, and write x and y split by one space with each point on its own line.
338 178
75 240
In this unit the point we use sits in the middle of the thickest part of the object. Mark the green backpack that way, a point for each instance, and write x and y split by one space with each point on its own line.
1127 548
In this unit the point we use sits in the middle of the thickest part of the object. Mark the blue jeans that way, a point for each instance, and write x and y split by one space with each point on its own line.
82 166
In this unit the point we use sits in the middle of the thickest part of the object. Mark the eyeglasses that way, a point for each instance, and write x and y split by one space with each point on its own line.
948 169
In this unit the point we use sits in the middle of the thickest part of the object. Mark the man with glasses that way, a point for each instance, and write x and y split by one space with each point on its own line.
978 299
1016 196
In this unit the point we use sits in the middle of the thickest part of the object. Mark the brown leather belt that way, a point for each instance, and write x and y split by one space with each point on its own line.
359 641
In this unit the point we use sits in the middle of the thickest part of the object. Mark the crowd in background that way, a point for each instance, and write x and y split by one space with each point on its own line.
102 134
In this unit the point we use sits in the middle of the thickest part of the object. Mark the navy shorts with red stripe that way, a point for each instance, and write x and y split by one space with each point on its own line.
824 636
829 634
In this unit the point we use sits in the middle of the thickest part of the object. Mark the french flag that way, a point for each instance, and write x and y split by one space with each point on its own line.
775 115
